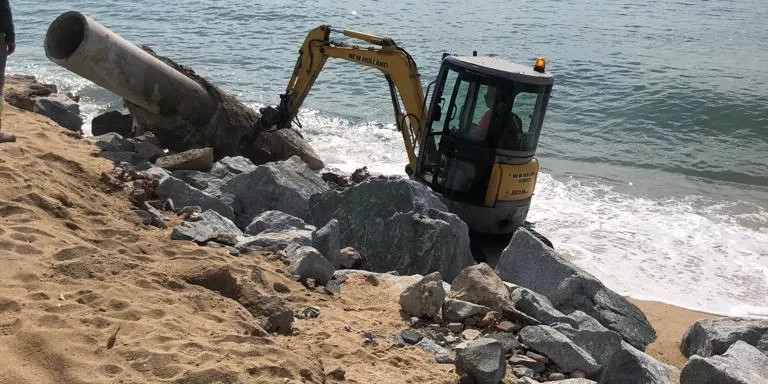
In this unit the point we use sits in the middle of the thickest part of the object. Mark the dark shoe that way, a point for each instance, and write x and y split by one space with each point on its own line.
5 138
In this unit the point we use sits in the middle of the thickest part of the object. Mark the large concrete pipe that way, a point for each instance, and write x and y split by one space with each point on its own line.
87 48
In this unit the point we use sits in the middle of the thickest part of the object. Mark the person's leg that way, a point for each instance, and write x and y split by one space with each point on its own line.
4 138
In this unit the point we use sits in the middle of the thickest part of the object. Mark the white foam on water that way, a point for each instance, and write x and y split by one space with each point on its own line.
686 251
347 146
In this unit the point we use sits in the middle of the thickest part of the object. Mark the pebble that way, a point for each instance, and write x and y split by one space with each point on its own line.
537 357
280 287
310 312
311 283
338 374
471 334
507 326
410 336
556 376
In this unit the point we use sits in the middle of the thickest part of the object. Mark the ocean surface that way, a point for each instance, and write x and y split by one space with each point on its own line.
654 148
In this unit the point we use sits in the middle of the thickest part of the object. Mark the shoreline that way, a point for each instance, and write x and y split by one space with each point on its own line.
670 323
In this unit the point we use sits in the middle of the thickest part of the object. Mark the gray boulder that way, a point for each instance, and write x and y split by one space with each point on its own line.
308 263
559 348
538 307
112 142
198 179
183 195
229 167
209 226
274 221
198 159
274 241
283 186
507 340
455 311
61 109
530 263
425 298
156 218
742 363
112 121
713 337
121 157
147 146
483 360
327 241
350 258
600 342
631 366
397 225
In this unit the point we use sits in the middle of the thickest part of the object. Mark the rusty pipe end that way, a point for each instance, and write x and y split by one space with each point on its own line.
65 35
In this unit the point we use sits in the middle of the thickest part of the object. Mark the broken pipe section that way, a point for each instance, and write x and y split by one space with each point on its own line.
183 110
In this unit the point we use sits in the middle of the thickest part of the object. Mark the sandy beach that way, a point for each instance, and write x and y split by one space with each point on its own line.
78 269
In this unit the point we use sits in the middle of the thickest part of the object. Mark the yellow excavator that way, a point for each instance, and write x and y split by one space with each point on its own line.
475 144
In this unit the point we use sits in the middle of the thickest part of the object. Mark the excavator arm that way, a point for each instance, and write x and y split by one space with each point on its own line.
383 54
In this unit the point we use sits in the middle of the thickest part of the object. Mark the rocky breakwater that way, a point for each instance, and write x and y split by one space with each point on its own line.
535 318
495 331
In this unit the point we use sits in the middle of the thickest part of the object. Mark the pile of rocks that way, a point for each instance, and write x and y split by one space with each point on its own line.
726 351
26 93
491 329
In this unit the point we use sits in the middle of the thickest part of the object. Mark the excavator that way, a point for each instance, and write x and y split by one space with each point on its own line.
474 145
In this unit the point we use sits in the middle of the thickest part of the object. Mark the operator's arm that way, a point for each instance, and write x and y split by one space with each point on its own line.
6 26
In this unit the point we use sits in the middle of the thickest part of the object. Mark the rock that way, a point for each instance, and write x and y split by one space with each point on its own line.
425 298
479 284
21 91
229 167
573 381
530 263
147 147
526 380
525 361
458 310
507 340
156 218
327 241
337 374
429 345
556 376
274 221
713 337
199 159
112 121
217 279
471 334
280 287
284 186
482 360
280 321
538 307
308 263
211 226
742 363
520 371
397 225
445 357
350 258
112 142
198 179
284 144
410 336
60 109
631 366
184 195
274 241
310 313
537 357
561 350
507 326
120 157
601 343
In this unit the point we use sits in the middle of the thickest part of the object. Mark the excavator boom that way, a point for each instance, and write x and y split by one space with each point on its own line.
383 54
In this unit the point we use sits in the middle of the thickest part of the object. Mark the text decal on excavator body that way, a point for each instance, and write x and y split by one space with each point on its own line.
368 60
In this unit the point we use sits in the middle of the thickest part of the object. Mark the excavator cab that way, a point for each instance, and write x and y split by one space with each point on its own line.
480 136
